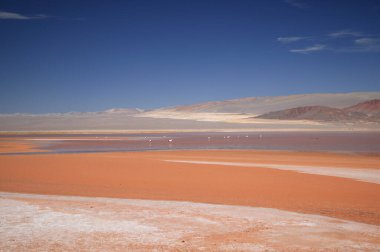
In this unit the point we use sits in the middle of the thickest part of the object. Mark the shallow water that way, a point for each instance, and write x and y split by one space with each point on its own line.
364 142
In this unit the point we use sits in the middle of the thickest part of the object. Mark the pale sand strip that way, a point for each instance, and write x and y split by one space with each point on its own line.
42 223
360 174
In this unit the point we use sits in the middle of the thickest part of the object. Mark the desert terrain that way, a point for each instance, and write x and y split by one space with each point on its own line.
197 125
178 197
251 174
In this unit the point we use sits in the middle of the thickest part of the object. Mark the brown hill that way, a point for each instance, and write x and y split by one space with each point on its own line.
370 108
315 113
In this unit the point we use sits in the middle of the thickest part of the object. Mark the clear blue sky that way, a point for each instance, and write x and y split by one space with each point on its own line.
71 55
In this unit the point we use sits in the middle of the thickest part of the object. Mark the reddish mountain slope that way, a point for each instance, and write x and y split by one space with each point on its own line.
370 108
316 113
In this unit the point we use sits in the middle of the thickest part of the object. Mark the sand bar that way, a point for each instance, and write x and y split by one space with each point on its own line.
360 174
145 175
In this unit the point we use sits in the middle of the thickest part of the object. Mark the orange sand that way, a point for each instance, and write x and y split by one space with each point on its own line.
144 175
16 145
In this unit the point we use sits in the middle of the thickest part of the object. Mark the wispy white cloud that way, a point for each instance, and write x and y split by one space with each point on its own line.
342 41
368 44
344 33
367 41
17 16
287 40
310 49
297 3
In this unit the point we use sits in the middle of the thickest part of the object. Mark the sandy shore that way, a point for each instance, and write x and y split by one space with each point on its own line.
62 223
146 175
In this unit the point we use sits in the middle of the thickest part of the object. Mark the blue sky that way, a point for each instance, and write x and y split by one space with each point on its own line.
71 55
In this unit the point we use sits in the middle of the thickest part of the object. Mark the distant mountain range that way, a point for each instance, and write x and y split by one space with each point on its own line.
130 111
294 112
360 106
261 105
364 111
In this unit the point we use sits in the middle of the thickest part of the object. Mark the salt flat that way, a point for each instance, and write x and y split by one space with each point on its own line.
40 223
